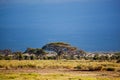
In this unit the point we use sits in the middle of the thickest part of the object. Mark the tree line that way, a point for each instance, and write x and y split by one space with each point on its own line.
55 51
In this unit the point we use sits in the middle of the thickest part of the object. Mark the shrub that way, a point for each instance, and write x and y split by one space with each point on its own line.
31 66
94 68
8 58
118 61
78 67
1 57
109 69
88 68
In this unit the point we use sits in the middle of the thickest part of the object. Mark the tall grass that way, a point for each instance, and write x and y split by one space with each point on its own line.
62 64
57 76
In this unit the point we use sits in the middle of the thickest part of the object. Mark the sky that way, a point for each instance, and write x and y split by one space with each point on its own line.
91 25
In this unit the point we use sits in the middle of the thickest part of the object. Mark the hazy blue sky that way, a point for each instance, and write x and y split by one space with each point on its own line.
92 25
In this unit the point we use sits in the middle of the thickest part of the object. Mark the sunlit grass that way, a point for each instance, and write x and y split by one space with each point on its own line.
62 64
36 76
79 65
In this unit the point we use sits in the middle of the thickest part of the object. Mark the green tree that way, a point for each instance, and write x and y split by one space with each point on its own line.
96 57
30 51
81 53
1 57
60 48
116 56
26 57
32 57
18 55
41 54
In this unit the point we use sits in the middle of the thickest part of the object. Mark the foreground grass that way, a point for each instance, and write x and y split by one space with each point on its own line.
57 76
62 64
55 70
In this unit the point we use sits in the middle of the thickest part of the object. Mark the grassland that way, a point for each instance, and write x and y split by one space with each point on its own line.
59 70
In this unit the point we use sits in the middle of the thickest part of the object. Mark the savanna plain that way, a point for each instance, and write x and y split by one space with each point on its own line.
59 70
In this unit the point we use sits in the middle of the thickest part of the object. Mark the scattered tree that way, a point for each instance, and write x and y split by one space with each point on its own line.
60 48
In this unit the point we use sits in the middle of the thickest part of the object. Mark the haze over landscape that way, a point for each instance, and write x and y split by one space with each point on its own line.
92 25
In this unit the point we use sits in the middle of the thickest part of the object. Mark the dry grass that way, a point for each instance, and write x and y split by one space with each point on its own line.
61 64
58 70
54 74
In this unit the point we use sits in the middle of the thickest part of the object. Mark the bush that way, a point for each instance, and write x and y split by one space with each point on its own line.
88 68
32 57
26 57
78 67
109 69
118 61
51 58
8 58
1 57
96 68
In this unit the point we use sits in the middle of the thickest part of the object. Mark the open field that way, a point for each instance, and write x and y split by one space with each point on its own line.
58 70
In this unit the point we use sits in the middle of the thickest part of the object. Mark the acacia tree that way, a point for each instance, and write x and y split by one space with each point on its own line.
40 53
81 54
30 51
60 48
18 55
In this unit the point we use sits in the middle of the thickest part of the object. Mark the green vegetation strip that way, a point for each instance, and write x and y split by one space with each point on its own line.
36 76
